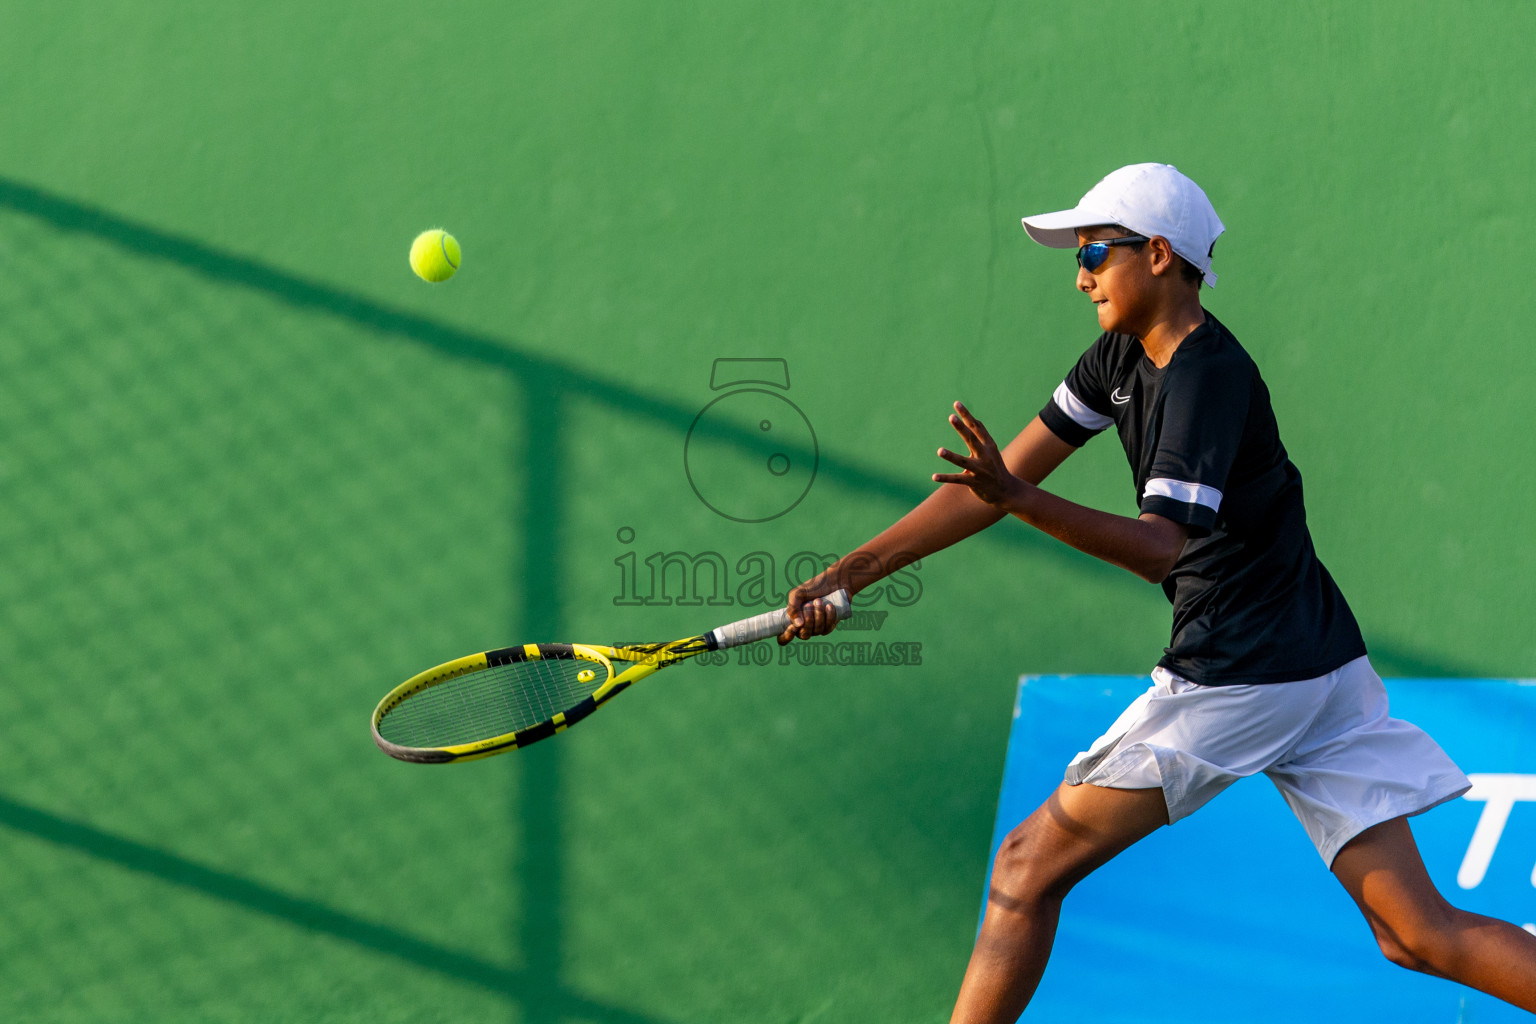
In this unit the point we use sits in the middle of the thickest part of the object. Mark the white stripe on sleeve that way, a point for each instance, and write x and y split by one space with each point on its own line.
1075 408
1179 490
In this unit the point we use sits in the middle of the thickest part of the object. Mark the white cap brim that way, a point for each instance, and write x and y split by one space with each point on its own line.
1059 230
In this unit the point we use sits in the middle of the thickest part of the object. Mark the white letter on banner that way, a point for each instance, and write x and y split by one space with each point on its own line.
1499 794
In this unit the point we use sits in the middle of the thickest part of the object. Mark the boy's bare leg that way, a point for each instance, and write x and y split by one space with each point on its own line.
1418 929
1076 830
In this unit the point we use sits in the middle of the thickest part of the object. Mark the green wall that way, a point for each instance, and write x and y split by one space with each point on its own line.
255 472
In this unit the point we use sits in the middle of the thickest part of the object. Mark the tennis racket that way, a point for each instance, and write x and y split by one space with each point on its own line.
502 700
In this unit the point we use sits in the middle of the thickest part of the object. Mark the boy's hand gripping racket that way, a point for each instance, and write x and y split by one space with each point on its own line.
501 700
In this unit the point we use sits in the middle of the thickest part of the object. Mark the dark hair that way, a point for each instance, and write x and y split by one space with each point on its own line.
1190 273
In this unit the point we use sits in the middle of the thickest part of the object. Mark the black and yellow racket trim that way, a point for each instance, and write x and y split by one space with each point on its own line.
640 660
646 659
494 744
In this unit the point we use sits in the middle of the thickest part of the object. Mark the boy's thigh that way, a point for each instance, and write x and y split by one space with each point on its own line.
1358 767
1077 829
1193 741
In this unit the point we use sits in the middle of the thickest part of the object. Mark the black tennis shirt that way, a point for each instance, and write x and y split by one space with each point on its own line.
1251 601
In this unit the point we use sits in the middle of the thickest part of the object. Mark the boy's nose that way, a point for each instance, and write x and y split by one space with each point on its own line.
1084 280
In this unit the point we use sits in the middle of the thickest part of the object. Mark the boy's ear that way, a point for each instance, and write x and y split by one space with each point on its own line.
1162 254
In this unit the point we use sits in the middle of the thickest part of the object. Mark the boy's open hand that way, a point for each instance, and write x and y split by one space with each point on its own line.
985 472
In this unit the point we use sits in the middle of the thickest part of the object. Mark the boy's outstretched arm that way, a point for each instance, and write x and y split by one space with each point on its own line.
1148 546
948 515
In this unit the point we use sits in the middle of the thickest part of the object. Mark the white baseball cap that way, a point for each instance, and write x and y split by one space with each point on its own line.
1149 199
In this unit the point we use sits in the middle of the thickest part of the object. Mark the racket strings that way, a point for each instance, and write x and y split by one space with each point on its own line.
492 702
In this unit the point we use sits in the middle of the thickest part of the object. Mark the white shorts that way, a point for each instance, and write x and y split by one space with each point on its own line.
1327 744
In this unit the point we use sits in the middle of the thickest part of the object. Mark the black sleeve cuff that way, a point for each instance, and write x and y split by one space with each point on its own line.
1199 518
1064 426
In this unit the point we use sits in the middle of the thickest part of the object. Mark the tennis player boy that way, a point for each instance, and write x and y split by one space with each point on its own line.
1266 670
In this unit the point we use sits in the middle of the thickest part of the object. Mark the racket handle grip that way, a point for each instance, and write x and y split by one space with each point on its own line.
772 623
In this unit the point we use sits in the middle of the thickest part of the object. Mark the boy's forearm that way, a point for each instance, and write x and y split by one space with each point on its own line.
1147 546
947 516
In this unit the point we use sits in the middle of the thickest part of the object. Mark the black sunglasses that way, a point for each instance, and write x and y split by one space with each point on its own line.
1092 256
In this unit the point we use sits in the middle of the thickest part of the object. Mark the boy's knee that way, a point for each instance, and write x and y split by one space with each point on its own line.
1024 872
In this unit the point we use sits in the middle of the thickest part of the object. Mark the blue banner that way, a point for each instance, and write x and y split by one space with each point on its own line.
1231 917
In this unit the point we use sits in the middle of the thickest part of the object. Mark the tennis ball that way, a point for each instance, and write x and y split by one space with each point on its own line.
435 255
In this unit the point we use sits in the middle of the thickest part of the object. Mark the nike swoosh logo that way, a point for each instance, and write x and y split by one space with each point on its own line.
1118 398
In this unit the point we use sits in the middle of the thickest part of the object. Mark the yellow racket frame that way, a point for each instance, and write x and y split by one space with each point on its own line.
641 662
642 659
